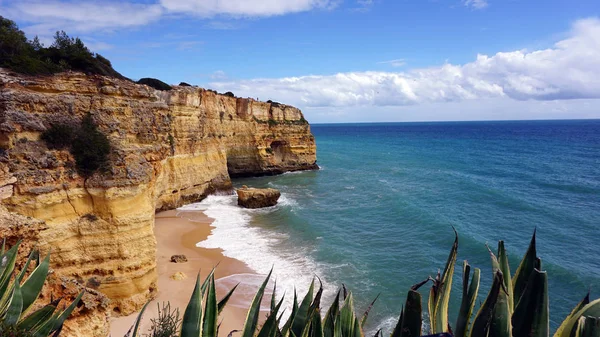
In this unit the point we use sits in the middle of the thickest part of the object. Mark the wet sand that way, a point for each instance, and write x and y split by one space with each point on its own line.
175 234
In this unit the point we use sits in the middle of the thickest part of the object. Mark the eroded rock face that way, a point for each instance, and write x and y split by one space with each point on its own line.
169 148
257 197
91 317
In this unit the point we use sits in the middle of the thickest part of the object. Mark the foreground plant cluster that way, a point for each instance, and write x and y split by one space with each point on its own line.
515 306
18 318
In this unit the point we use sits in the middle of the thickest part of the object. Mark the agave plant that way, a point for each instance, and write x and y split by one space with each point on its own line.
18 293
515 306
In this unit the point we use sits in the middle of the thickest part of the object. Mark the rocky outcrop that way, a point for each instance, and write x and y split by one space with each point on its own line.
91 317
169 148
179 258
257 197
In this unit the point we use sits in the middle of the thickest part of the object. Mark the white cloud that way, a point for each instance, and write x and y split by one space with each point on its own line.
568 70
394 63
218 75
82 16
46 17
243 8
476 4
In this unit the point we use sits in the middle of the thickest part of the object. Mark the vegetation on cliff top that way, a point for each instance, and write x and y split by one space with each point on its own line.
514 307
154 83
32 58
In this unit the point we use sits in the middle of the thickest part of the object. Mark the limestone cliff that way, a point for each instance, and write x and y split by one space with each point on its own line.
169 148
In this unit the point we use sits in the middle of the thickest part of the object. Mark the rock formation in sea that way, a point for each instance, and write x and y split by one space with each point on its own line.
257 197
168 148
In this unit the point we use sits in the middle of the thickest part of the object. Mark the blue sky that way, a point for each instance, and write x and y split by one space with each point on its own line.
352 60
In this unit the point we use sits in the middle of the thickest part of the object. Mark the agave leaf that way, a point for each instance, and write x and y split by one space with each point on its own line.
505 268
337 329
588 327
207 280
192 318
44 329
138 320
347 317
398 328
273 299
500 325
270 326
62 317
288 324
226 298
316 304
431 304
328 323
578 307
591 309
525 269
441 305
254 310
7 267
412 317
300 320
316 326
34 283
366 314
358 332
15 307
483 318
25 267
531 316
36 318
469 296
209 324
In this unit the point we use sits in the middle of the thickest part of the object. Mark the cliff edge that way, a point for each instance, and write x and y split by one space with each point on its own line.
168 148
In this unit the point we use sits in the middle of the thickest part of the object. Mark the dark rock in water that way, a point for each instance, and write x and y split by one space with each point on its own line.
178 258
257 197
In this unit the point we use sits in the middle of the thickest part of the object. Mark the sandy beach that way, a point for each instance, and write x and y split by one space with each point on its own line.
177 234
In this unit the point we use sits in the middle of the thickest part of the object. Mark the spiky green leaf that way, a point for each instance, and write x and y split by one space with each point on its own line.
483 318
138 320
209 324
254 310
469 296
302 316
33 284
531 317
192 317
14 308
442 300
579 306
528 263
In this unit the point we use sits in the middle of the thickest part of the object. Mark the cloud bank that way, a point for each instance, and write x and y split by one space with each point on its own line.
89 15
568 70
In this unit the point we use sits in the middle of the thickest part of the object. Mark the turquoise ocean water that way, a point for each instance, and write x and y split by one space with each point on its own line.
378 215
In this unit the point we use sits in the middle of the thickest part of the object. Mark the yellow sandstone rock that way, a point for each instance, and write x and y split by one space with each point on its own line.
178 276
169 148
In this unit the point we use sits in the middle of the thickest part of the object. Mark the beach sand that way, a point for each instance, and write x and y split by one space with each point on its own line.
176 234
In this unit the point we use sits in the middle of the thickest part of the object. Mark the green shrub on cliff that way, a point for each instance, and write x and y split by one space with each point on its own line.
90 148
87 144
31 57
155 83
18 294
58 136
515 306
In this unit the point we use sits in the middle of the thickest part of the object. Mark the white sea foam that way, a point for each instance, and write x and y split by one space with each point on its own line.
293 268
